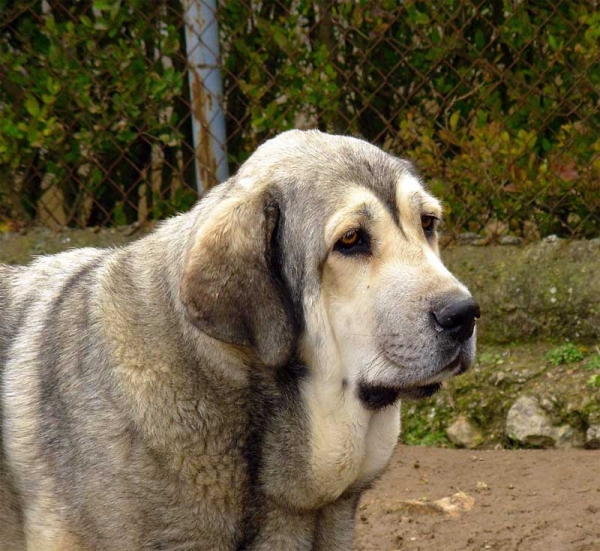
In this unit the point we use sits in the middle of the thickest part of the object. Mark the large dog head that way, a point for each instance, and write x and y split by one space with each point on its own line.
326 246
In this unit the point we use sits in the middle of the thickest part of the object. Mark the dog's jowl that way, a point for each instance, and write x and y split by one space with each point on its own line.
232 381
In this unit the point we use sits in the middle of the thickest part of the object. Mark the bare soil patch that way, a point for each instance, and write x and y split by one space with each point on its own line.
530 500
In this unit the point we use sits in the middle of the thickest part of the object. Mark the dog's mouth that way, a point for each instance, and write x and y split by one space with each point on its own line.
375 396
457 366
418 392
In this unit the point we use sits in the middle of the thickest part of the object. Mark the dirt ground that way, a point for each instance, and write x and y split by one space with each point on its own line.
529 500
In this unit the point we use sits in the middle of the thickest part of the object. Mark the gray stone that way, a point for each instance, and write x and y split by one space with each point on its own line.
463 434
592 437
594 417
527 423
511 240
548 403
467 237
566 437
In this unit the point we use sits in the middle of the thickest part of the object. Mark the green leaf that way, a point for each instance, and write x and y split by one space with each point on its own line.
49 22
52 85
119 216
32 106
422 18
479 39
114 10
454 118
594 381
102 5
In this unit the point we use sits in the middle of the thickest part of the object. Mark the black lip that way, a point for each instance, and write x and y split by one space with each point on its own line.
419 392
381 396
376 397
426 391
451 366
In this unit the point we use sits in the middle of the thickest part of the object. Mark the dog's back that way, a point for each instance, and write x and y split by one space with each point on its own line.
7 274
11 522
76 331
25 292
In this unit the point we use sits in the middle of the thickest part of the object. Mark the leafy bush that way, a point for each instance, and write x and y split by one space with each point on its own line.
565 354
495 102
87 96
593 363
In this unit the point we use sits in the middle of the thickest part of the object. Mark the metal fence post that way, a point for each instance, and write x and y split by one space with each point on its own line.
206 92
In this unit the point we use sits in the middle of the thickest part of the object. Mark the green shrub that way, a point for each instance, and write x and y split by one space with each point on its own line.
565 354
86 95
593 363
495 102
424 423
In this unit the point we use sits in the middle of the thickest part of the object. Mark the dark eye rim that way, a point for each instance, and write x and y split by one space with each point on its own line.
433 226
362 246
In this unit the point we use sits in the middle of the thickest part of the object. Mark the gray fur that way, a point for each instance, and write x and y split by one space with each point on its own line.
150 395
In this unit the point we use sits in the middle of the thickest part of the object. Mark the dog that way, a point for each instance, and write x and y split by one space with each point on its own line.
232 380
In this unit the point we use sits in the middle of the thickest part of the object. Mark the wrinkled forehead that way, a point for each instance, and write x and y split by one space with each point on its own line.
403 209
318 173
394 184
369 179
374 171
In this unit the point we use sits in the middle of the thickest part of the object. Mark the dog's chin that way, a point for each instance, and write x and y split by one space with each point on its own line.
375 396
429 387
418 392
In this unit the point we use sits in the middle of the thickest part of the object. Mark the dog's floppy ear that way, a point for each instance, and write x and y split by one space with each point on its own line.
232 286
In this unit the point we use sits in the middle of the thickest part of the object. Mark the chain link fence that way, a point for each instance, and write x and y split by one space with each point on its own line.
497 102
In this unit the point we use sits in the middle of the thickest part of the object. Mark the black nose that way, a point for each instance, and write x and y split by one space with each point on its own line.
456 318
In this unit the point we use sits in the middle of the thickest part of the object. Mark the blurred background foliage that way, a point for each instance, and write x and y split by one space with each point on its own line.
496 102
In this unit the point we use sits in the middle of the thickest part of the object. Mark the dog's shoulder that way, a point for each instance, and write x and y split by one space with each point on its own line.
45 275
26 291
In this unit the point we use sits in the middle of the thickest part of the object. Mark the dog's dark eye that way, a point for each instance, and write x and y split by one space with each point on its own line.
428 223
353 242
349 238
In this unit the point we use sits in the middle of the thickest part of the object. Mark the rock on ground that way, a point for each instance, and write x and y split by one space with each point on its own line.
463 434
527 423
567 437
592 437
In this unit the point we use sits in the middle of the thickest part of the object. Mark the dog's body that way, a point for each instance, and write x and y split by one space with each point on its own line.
230 381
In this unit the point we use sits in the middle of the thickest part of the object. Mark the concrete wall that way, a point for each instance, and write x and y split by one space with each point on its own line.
546 290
